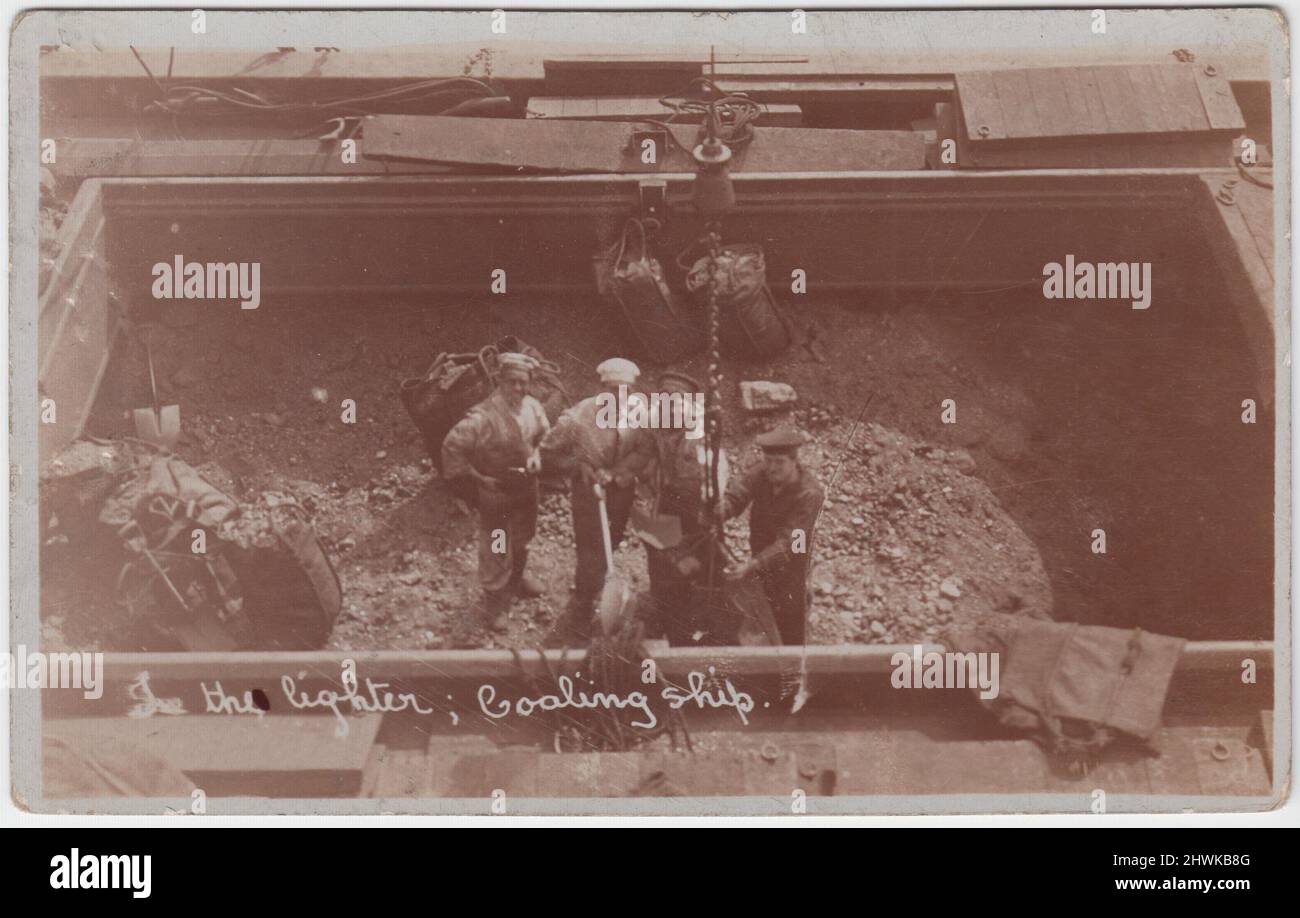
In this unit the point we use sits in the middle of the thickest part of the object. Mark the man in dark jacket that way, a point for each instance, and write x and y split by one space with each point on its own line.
677 488
784 500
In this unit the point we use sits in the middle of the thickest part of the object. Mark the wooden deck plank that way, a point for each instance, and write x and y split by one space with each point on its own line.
245 755
632 108
397 773
1094 101
586 146
977 98
1084 79
109 157
1125 111
203 742
1182 108
1052 101
1017 103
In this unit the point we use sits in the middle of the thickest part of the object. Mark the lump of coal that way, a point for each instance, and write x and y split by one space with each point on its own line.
761 395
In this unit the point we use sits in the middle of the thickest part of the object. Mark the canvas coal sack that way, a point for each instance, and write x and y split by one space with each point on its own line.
751 323
212 573
1079 687
454 383
631 281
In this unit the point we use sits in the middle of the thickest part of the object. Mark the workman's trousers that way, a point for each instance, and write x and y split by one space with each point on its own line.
673 596
507 522
786 588
588 543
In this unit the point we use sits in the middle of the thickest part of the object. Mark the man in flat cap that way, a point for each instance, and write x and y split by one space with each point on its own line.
784 500
493 453
589 440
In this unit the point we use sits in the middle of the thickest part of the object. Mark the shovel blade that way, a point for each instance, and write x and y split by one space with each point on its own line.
146 425
169 424
659 532
612 607
162 427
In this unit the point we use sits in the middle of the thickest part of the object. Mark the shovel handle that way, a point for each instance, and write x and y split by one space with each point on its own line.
153 383
604 526
166 579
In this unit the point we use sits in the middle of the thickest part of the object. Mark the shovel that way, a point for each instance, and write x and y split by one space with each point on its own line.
159 424
616 594
659 531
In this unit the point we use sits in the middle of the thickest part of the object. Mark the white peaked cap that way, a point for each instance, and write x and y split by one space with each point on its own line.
618 370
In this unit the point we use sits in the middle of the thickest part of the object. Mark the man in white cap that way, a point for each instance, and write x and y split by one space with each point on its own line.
492 453
612 455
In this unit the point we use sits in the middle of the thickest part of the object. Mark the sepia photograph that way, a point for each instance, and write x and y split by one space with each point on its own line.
560 413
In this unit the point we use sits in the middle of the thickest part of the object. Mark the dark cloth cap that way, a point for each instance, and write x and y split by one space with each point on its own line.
781 440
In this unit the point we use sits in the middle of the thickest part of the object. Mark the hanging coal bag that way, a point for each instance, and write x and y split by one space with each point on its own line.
631 281
751 323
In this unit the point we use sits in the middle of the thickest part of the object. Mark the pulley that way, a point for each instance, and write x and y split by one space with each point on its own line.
713 193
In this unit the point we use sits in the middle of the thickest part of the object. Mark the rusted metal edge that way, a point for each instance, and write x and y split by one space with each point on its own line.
676 662
1101 177
769 192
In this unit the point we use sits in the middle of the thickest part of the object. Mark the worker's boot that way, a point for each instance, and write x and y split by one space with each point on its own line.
530 586
523 584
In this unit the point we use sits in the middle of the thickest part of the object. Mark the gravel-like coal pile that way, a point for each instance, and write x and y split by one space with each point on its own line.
910 543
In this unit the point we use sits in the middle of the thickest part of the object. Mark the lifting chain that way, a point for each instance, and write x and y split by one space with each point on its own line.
713 390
